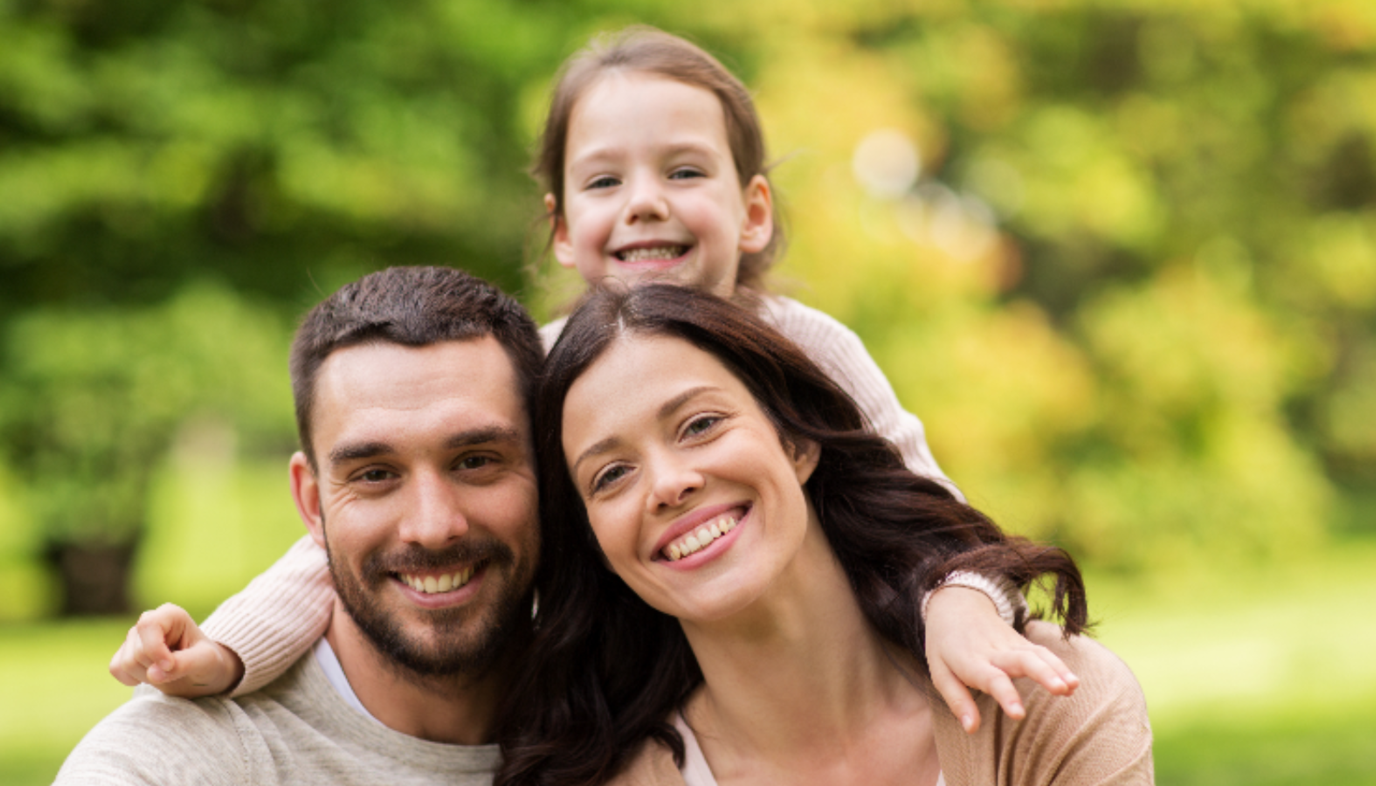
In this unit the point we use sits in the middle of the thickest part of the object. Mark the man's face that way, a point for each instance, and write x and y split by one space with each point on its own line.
425 498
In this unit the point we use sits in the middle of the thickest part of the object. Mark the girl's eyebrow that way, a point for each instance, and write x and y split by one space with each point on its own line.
608 152
665 410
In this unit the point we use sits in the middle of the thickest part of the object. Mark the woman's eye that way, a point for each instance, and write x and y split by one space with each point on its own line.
608 476
701 425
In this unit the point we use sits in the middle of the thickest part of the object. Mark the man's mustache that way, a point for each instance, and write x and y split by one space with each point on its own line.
417 559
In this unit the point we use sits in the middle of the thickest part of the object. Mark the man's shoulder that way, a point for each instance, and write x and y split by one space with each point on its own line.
161 739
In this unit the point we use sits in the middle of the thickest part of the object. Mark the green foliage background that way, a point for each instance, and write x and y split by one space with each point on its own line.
1131 289
1131 292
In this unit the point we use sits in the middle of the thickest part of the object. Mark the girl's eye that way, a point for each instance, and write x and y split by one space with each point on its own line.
685 173
606 181
609 476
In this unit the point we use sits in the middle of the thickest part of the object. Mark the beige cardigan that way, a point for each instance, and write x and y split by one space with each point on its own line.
1100 735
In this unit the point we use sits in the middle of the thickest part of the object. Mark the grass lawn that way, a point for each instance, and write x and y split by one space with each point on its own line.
1263 679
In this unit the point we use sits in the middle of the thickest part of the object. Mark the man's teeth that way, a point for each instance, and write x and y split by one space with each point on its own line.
443 583
698 539
657 252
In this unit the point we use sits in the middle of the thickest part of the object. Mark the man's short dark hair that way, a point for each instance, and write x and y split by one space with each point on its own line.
414 307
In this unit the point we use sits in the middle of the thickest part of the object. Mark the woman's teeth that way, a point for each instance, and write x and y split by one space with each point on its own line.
433 584
698 539
657 252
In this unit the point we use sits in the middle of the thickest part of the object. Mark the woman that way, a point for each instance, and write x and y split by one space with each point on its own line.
734 572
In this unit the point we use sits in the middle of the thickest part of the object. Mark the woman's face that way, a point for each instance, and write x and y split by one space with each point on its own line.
696 503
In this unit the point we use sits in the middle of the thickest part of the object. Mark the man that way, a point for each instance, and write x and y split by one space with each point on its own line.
416 475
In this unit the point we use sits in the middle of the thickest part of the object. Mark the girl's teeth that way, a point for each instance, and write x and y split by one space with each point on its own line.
700 538
659 252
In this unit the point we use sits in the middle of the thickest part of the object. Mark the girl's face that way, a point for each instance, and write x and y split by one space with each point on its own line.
696 503
651 188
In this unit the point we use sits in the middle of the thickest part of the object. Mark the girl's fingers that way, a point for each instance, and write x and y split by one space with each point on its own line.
1001 688
1029 663
956 696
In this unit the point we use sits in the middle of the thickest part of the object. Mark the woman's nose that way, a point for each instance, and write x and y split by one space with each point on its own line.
673 482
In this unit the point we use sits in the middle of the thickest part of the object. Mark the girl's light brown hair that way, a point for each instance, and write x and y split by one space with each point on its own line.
647 50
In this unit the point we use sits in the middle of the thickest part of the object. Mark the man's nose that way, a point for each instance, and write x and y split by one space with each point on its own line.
436 518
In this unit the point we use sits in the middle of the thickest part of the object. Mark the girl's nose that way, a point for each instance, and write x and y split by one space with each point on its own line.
646 202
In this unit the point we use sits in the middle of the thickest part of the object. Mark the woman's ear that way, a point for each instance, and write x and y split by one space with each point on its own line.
758 228
805 454
558 232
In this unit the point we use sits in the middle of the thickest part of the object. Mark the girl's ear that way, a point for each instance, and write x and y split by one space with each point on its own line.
758 228
559 233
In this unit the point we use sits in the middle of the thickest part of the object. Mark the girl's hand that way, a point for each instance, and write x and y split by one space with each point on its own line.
969 644
167 650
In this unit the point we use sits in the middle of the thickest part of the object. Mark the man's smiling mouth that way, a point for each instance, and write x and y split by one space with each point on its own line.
434 584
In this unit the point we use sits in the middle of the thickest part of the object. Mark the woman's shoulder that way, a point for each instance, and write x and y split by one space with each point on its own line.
1098 735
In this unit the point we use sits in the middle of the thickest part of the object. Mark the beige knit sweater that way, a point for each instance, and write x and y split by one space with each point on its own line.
1100 736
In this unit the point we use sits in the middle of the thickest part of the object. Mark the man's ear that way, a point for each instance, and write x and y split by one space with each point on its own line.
758 228
559 233
305 490
805 454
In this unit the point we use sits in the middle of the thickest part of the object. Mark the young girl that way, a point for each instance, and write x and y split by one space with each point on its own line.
655 165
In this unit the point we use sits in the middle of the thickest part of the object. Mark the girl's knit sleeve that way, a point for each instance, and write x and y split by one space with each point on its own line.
278 616
842 354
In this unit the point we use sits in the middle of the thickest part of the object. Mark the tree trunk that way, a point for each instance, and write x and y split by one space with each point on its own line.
95 577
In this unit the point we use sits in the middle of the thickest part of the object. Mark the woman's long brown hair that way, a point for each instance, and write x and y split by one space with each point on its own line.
606 670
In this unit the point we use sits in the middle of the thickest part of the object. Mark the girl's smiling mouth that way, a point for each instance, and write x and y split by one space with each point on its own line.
663 252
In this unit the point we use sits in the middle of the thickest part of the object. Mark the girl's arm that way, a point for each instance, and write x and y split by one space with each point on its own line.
278 616
248 642
841 354
970 638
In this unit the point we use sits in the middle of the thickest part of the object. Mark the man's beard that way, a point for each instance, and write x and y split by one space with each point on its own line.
449 650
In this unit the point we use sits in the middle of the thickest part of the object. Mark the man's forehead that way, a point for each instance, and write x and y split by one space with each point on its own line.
384 382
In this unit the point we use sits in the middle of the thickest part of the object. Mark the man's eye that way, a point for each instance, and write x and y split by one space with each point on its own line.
474 462
374 476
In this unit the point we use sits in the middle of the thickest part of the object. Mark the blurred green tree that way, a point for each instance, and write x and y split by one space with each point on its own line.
93 400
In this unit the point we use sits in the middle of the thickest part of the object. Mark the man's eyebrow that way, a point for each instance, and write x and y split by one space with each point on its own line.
345 453
483 436
665 410
348 452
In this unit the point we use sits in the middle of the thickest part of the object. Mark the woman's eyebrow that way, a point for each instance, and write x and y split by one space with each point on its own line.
665 410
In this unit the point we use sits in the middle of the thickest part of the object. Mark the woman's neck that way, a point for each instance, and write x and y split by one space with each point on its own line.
800 683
